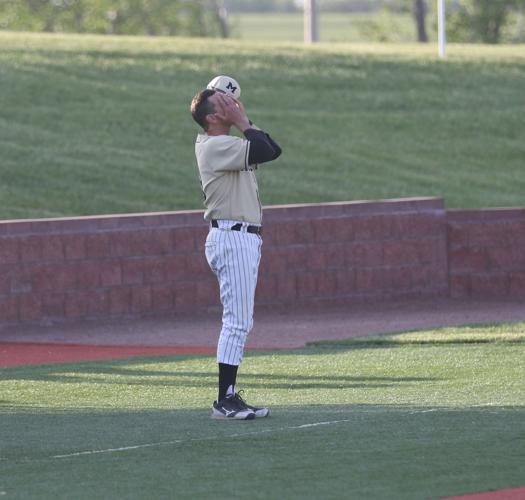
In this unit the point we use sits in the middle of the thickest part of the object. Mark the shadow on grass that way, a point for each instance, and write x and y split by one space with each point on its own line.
475 333
122 372
351 451
116 443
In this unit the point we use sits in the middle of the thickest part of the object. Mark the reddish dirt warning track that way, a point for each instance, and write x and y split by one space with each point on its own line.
19 353
507 494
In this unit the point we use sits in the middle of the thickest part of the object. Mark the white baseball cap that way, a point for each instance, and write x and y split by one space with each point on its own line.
226 84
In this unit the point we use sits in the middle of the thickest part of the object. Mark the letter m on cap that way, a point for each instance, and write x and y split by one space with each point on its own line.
231 87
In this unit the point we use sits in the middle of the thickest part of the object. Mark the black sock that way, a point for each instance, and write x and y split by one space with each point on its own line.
227 377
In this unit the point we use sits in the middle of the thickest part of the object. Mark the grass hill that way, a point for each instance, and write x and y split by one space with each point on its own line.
93 124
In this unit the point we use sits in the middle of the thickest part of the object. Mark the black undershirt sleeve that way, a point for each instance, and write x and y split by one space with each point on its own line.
262 147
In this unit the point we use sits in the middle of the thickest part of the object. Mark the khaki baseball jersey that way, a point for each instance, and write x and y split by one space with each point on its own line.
228 182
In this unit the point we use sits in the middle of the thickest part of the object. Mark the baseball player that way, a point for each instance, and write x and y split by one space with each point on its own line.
233 247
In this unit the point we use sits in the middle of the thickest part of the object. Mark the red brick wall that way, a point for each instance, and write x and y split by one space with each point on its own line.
487 252
359 251
103 267
133 265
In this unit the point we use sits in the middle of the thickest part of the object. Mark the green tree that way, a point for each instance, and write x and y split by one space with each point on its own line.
481 20
120 17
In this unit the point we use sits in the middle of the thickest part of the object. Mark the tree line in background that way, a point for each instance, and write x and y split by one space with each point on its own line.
471 21
468 20
484 20
116 17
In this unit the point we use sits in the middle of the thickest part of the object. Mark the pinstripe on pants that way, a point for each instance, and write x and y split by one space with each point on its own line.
234 257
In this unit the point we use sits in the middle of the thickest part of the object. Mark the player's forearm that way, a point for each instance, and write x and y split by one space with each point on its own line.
242 123
275 146
262 147
252 125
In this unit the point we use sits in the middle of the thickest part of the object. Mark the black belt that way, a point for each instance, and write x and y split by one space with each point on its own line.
238 227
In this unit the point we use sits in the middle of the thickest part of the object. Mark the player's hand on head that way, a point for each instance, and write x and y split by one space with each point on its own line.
240 105
221 110
222 106
230 111
236 108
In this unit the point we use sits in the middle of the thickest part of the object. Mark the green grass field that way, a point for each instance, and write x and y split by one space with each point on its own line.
379 422
92 125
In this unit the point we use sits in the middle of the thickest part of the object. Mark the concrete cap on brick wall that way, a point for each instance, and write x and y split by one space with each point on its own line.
101 222
349 208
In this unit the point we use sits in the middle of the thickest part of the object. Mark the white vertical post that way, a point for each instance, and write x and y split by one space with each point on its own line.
311 27
442 31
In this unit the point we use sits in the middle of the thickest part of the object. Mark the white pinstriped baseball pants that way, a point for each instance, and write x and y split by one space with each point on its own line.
234 257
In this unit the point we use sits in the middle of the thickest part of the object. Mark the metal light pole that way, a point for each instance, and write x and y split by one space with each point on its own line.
442 32
311 25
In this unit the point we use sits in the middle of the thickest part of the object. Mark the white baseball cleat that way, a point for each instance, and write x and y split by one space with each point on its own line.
259 412
230 408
